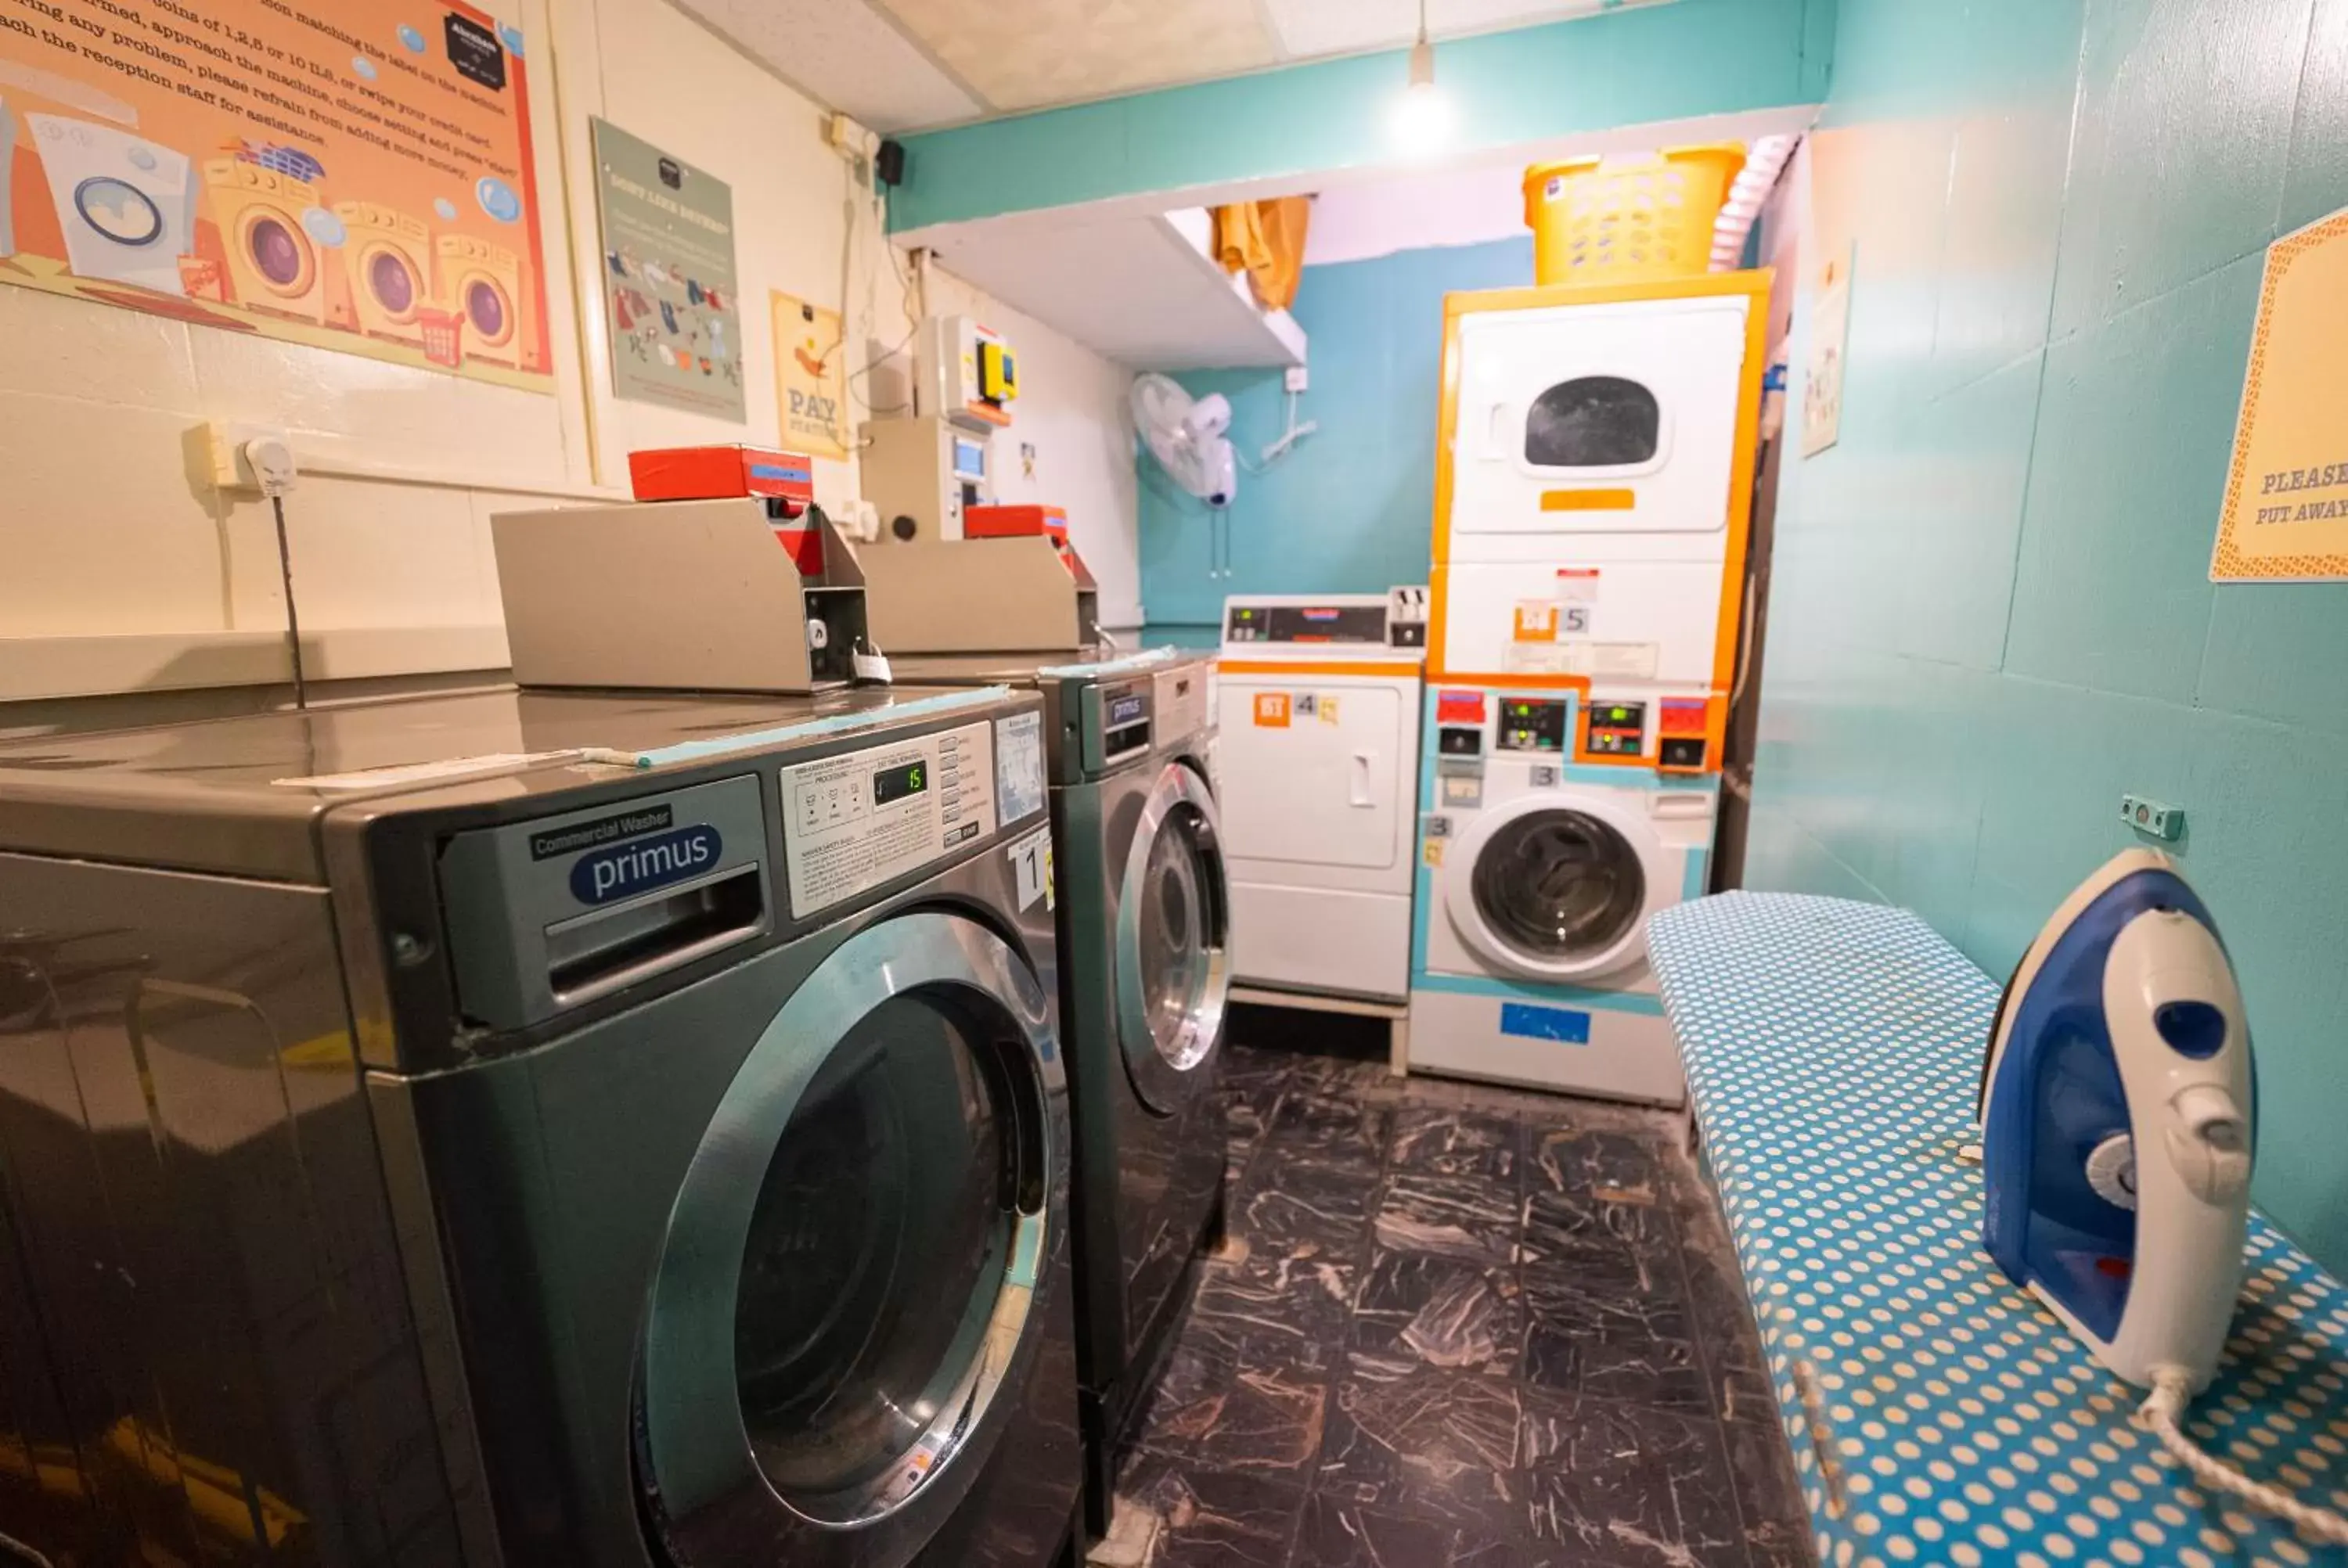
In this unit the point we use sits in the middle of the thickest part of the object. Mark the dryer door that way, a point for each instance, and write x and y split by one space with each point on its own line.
1556 887
1173 926
846 1310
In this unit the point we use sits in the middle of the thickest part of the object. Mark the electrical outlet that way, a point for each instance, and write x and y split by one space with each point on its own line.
1294 378
225 443
2152 818
850 140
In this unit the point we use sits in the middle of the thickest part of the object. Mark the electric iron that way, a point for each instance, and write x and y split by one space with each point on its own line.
2117 1121
2119 1113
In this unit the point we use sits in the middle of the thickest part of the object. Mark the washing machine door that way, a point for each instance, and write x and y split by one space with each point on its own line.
1555 886
1173 939
845 1308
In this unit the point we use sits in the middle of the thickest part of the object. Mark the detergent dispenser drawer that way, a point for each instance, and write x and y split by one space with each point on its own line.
551 913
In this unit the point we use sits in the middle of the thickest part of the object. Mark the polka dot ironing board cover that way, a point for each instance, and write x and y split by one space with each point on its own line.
1936 1413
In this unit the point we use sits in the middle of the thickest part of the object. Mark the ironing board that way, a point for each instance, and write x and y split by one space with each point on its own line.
1936 1413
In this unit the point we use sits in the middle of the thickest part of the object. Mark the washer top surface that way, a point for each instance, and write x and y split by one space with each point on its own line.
1036 670
243 794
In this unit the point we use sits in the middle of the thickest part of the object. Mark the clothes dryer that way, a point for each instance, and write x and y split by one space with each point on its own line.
1317 756
273 261
425 1144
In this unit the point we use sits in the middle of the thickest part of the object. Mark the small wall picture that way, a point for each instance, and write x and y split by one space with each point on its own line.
1830 341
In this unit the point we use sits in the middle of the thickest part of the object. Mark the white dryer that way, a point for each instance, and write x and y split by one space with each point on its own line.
128 205
1593 481
1537 878
1316 770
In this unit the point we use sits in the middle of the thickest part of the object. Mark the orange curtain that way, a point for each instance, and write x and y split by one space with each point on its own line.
1266 240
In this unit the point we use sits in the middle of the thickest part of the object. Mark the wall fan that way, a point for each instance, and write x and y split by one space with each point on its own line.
1186 435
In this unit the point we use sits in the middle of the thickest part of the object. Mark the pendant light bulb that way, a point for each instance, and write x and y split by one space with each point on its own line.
1422 121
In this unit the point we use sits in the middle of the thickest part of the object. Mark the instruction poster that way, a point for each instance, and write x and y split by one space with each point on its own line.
2286 511
668 278
357 181
1829 343
811 377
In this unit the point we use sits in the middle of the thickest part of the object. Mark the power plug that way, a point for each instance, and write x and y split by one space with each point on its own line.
230 447
270 463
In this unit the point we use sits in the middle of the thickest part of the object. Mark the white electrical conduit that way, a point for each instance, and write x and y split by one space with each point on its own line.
1763 164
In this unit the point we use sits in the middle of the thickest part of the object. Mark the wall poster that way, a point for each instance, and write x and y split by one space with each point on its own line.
811 376
2285 518
1829 343
668 278
358 180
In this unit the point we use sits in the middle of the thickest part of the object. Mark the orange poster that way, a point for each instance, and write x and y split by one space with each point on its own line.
350 174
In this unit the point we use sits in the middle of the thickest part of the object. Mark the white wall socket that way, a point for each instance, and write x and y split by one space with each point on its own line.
225 443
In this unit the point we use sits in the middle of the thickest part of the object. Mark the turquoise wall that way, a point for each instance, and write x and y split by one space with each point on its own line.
1350 509
1992 611
1647 63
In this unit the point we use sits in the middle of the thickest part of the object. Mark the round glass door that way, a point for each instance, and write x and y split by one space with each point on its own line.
849 1277
1553 891
1173 916
893 1197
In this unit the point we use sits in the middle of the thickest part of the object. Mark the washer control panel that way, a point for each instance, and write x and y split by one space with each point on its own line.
1615 730
857 820
1531 724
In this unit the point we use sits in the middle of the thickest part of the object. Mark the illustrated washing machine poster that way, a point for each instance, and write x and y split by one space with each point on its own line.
7 168
127 205
273 264
1617 417
387 256
481 285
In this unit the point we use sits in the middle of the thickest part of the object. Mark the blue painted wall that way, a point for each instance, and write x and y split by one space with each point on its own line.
1992 611
1350 509
1646 63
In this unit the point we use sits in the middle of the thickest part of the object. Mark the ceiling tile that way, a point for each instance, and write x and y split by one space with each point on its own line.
844 56
1309 27
1041 52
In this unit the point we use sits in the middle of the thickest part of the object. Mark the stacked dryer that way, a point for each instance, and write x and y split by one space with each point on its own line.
1594 485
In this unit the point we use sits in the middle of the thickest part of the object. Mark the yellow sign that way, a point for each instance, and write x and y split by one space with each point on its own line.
2286 512
811 377
354 177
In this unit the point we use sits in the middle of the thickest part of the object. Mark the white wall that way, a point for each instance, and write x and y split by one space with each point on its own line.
122 569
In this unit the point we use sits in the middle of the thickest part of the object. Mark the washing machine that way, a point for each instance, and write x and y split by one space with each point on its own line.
387 256
1144 905
481 283
128 205
424 1145
1544 848
1317 717
273 264
1594 481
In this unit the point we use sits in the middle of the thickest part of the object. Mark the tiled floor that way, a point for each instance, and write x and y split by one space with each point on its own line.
1458 1326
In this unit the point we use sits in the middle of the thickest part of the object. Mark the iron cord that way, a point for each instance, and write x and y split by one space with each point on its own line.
2162 1414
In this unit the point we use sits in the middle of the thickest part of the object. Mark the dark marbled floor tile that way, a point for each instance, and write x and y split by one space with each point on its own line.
1622 1232
1302 1205
1620 1485
1459 1218
1769 1494
1439 1312
1410 1441
1287 1308
1330 1125
1215 1518
1443 1140
1586 1334
1247 1113
1253 1067
1606 1164
1340 1535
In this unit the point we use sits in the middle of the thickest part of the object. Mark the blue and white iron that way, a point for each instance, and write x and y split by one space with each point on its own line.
2117 1114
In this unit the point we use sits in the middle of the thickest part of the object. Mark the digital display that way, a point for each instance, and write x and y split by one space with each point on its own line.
1129 709
969 460
1531 725
895 783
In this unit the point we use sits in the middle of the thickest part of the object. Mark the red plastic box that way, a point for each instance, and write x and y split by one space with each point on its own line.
721 473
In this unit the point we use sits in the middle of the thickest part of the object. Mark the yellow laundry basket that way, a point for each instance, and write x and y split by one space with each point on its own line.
1596 220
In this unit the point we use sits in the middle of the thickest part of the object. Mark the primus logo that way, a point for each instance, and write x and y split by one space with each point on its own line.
621 872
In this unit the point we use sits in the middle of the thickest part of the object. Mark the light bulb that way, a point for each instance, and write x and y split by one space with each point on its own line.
1422 119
